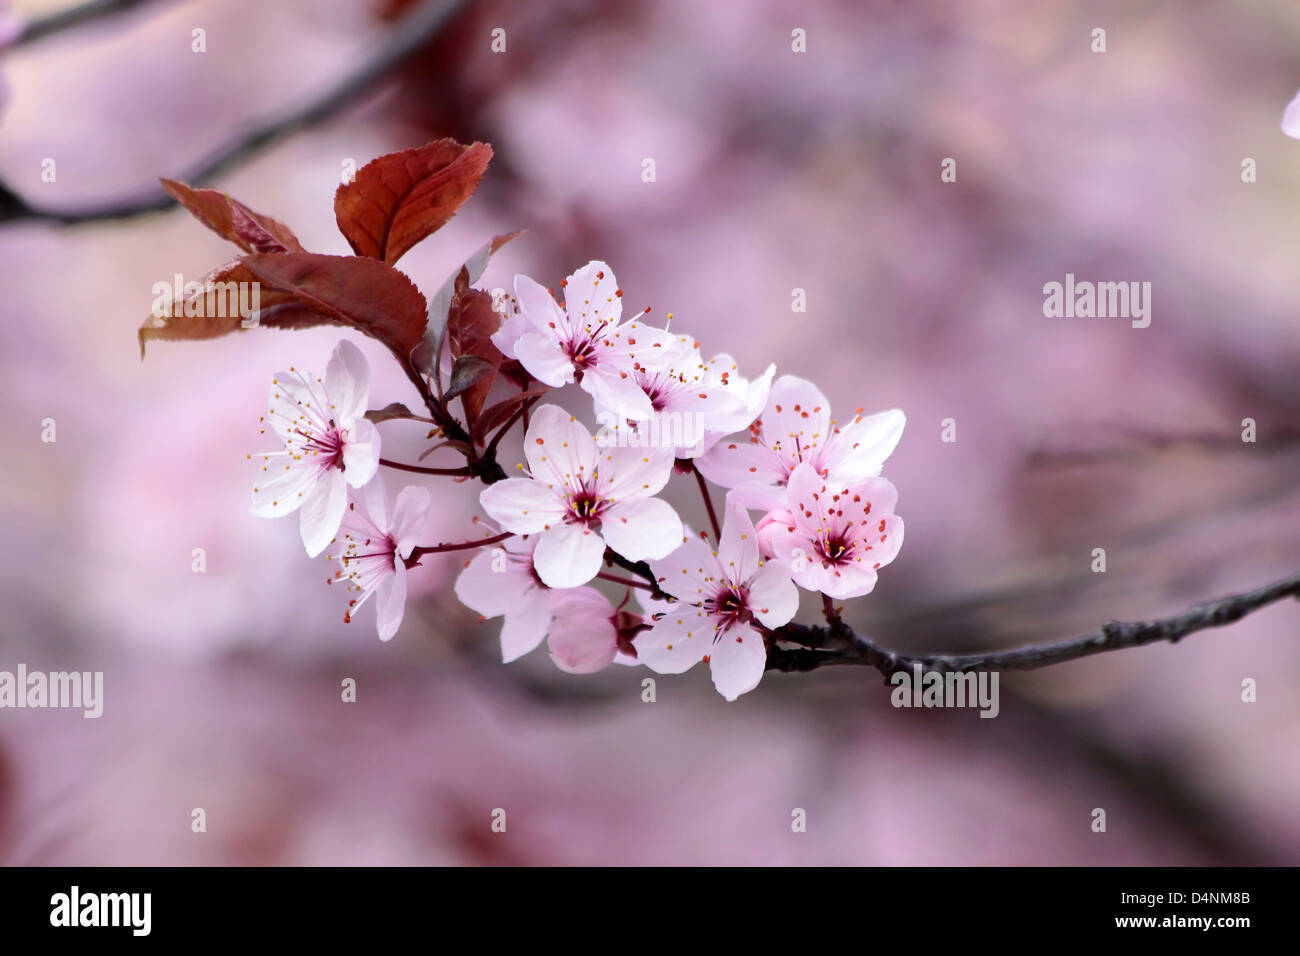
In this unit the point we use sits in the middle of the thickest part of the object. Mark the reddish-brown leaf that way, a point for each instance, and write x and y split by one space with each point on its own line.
500 413
466 371
214 310
471 322
232 220
428 357
397 200
366 294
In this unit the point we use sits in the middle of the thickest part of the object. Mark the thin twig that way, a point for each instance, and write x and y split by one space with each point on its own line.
464 546
462 472
73 16
627 582
823 646
491 450
405 38
708 503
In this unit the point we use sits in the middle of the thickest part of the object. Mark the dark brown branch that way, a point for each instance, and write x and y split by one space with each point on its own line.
405 38
462 471
837 643
419 552
708 502
74 16
1136 442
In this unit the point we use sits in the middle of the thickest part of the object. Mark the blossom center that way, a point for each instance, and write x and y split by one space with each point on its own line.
326 444
730 606
585 507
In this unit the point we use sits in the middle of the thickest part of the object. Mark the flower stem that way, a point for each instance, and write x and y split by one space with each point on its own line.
708 503
421 470
510 423
628 582
418 552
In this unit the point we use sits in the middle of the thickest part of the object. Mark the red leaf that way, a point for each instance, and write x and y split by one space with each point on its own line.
428 357
366 294
232 220
467 371
499 413
399 199
471 322
213 310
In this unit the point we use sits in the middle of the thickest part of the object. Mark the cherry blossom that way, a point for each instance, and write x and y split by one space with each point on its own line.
580 498
584 634
501 582
585 341
750 393
374 550
1291 118
722 598
796 426
834 537
691 399
329 444
580 625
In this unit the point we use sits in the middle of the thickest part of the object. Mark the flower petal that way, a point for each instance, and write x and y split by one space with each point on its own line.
347 383
691 573
738 661
282 485
592 298
797 418
410 512
539 307
582 638
642 529
773 598
738 549
522 505
858 451
628 472
361 453
677 642
526 624
559 449
390 602
612 388
544 359
739 462
322 511
491 592
568 555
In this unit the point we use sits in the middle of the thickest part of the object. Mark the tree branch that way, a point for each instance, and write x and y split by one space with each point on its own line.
405 38
837 643
73 16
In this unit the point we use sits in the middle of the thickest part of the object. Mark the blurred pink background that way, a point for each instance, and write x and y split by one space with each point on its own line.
775 171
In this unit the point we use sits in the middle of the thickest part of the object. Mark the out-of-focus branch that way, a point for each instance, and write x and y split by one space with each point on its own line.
837 643
1148 441
407 36
73 16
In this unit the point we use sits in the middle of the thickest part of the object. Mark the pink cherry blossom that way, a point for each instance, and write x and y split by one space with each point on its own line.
1291 118
690 399
750 393
501 582
580 498
579 624
722 598
834 537
584 634
329 444
584 341
373 550
796 427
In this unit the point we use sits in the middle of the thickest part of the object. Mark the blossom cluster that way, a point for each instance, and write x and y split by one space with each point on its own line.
586 507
